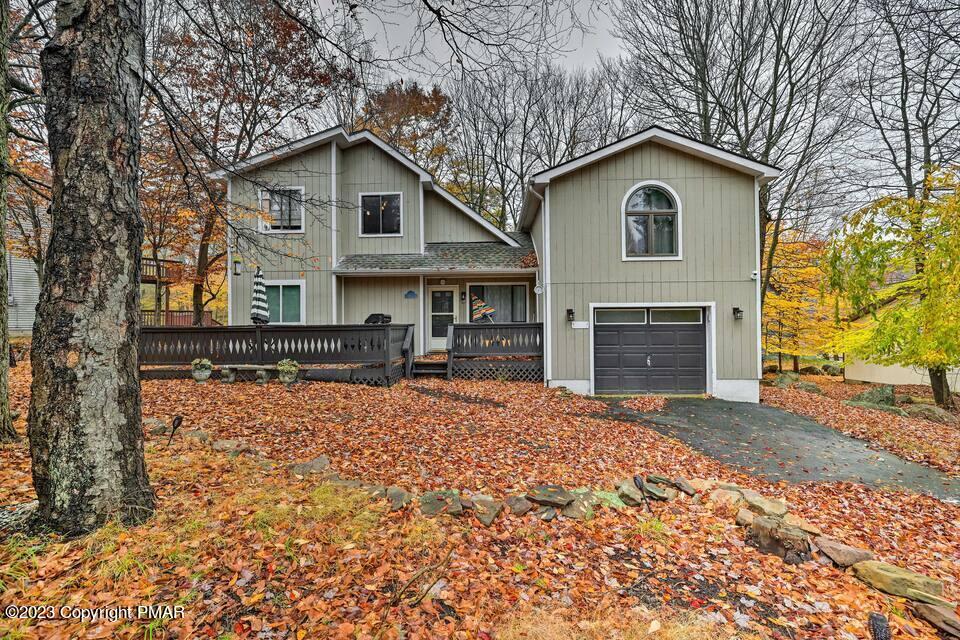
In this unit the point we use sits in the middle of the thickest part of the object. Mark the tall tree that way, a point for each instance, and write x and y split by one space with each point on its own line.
7 432
86 437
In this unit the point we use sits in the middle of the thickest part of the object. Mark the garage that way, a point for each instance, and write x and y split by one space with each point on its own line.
649 350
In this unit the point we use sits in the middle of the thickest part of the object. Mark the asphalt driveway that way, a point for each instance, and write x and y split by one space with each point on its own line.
777 445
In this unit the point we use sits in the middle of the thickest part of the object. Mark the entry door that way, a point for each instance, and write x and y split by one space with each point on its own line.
443 312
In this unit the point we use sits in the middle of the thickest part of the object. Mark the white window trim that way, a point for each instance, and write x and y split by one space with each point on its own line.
623 226
303 298
698 309
526 297
262 226
360 233
711 330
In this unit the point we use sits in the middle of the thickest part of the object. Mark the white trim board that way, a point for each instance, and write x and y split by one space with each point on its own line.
711 331
623 226
262 226
303 297
333 230
230 275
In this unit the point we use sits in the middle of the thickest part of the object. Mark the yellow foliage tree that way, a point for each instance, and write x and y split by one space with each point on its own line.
798 318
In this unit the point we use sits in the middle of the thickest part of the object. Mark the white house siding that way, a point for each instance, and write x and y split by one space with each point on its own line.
859 371
24 292
718 235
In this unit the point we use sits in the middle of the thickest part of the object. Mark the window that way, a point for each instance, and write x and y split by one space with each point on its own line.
498 302
651 221
676 316
380 214
285 303
283 209
621 316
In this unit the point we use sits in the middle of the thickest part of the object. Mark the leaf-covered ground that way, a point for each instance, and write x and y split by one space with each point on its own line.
255 552
915 439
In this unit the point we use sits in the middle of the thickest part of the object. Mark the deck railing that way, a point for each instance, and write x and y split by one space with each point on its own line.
382 353
512 351
174 318
160 271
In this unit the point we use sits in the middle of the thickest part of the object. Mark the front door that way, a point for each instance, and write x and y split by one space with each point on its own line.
443 312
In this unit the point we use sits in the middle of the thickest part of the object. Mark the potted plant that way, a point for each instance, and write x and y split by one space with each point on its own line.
287 371
200 369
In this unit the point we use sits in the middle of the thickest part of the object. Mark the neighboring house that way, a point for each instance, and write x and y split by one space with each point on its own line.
640 258
23 292
860 371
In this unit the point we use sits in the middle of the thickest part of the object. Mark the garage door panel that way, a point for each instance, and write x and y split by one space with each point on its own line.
676 356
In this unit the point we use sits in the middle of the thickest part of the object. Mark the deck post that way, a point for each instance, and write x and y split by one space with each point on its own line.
386 355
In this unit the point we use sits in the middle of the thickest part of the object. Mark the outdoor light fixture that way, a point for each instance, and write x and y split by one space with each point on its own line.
571 316
737 313
463 296
237 267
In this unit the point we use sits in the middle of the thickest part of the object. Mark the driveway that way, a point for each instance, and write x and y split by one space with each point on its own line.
777 445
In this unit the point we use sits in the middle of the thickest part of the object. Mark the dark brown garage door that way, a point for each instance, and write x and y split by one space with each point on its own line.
650 351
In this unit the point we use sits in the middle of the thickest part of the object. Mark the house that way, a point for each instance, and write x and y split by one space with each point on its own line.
23 293
860 371
640 258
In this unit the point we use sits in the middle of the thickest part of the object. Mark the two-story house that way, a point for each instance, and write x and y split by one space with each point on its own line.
641 259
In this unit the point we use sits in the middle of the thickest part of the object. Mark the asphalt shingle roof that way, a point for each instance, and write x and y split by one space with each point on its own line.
449 256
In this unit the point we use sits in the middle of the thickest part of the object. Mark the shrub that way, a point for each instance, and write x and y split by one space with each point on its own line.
201 364
288 366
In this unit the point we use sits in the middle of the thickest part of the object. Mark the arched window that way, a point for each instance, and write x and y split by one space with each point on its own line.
651 226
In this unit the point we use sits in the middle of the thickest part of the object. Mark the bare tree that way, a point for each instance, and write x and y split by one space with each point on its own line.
762 78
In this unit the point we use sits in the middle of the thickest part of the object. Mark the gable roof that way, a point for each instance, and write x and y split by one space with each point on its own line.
762 171
471 257
345 139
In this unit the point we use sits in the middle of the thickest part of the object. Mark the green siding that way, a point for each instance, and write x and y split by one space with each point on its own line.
445 223
363 296
719 252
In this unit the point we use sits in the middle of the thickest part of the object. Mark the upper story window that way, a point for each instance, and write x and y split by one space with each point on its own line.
283 209
381 214
651 224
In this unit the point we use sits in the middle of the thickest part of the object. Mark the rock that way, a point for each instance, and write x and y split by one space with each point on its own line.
436 502
803 525
897 411
317 465
770 368
375 491
772 535
518 505
702 485
629 494
225 445
18 518
657 492
842 555
398 498
942 618
880 394
466 503
154 426
916 400
196 434
900 582
579 509
546 513
930 412
809 387
656 479
811 370
726 497
786 379
683 485
832 369
745 517
763 506
609 499
550 495
486 509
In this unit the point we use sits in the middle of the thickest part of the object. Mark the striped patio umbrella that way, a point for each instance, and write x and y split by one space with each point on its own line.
259 311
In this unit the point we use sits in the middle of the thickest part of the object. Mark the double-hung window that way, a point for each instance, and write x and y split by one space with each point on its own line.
381 214
498 303
285 302
282 210
650 225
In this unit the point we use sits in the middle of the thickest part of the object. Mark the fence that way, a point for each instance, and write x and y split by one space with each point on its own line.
370 354
149 318
508 351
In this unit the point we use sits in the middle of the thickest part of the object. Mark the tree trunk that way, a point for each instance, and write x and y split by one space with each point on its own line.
86 438
941 388
7 432
796 364
203 265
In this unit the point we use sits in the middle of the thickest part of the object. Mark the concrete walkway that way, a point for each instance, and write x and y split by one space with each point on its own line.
777 445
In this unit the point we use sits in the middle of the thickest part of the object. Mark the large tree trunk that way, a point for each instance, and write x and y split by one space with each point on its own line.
7 432
941 388
86 438
203 265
